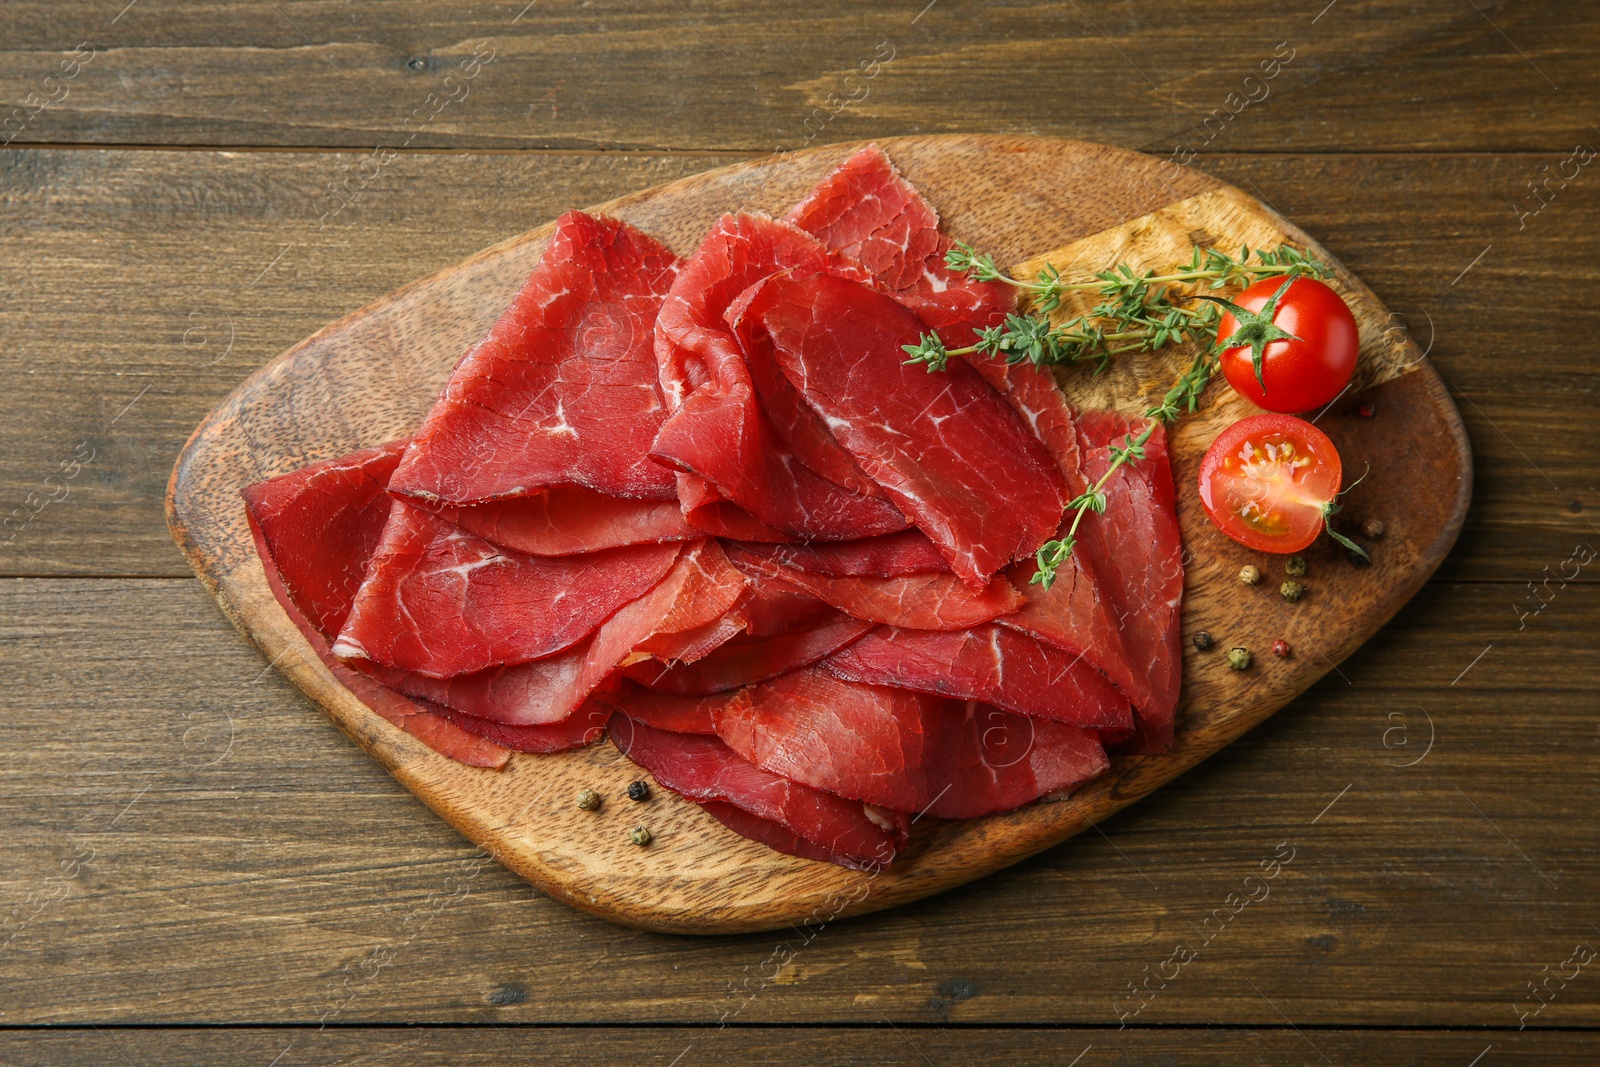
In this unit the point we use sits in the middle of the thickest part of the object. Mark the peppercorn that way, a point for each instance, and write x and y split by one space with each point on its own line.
589 800
1249 575
1296 567
639 836
1365 410
1202 640
638 791
1280 648
1291 591
1238 658
1372 529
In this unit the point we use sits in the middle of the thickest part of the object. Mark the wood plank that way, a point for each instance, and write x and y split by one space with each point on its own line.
744 76
288 871
200 230
844 1047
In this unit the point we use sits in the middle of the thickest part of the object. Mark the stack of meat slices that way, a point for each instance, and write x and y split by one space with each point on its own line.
705 507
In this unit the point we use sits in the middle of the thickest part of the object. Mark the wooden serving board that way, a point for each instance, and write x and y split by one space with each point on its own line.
370 377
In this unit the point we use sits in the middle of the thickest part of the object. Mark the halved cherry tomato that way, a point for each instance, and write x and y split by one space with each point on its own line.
1298 373
1268 482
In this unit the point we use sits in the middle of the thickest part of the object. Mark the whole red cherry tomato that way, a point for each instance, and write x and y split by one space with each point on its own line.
1270 482
1292 353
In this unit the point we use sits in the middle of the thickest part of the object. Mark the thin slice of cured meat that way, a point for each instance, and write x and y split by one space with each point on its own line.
991 664
1137 551
947 449
315 530
747 659
925 601
889 556
568 520
443 602
585 727
1116 599
906 751
665 711
700 587
717 431
867 212
563 389
704 769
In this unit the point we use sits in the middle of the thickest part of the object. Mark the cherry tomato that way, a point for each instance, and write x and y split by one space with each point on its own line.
1269 482
1298 373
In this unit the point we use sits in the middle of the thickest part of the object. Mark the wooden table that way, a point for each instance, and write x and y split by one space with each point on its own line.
197 868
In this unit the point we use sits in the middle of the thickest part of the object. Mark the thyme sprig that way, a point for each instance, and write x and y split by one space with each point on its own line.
1139 312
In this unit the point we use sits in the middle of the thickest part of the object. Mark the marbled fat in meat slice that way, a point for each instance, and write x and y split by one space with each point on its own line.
569 520
443 602
929 600
991 664
704 769
700 587
717 433
315 530
871 215
889 556
947 449
563 390
905 751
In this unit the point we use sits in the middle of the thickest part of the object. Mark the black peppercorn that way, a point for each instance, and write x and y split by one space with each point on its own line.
1202 640
638 791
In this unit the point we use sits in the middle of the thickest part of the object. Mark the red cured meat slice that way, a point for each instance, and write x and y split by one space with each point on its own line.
946 448
989 663
563 390
583 728
929 601
314 530
1137 551
867 212
442 602
905 751
700 587
704 769
568 520
717 430
664 711
889 556
745 659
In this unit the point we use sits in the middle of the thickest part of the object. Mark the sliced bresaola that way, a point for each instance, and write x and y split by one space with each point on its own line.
315 530
440 601
991 664
665 711
780 629
706 770
889 556
700 587
947 449
717 433
563 390
925 601
585 727
868 213
569 520
905 751
1116 600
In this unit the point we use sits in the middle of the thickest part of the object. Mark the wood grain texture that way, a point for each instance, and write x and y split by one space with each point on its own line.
200 231
252 865
370 377
743 75
876 1047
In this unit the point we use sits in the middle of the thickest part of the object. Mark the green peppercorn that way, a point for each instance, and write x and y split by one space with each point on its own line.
1249 575
589 800
1292 591
1296 567
639 836
1202 640
1238 658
